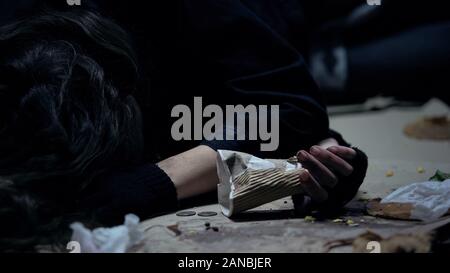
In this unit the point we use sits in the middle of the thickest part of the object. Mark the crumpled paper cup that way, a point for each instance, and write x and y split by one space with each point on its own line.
247 181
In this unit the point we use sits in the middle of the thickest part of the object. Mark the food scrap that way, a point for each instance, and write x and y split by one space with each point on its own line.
209 227
389 173
348 222
174 228
440 176
310 219
420 170
351 223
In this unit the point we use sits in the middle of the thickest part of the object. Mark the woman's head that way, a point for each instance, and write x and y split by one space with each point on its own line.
67 115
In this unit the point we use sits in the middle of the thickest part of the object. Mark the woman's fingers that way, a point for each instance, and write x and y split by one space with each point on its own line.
331 160
343 152
321 173
312 187
322 165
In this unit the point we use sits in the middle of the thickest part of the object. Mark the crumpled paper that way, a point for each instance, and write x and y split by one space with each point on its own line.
116 239
430 200
247 181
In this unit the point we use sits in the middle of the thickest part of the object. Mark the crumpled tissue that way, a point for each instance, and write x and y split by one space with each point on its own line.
430 199
116 239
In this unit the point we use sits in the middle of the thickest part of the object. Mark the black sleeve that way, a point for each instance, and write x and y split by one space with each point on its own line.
145 190
258 67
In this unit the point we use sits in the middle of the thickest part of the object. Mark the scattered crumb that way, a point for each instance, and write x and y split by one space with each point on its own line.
390 173
310 219
338 220
351 223
174 229
420 169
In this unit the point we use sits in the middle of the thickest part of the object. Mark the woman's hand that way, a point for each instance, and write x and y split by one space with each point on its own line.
325 163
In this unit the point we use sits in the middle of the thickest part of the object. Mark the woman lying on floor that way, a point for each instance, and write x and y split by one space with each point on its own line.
82 139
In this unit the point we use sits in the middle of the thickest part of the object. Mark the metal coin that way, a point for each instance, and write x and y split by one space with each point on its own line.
207 214
186 213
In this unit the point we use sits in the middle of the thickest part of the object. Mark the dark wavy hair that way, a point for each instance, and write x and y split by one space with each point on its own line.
67 116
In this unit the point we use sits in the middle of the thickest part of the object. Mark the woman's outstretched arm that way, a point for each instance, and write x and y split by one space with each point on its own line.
192 172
